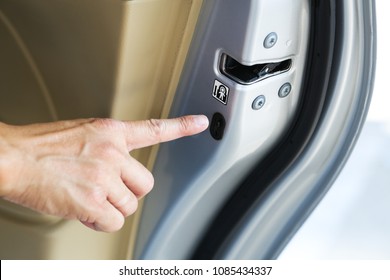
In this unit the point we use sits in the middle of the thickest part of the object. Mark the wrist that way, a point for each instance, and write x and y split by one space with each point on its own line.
6 161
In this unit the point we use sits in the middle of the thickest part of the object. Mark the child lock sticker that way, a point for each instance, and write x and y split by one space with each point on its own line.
221 92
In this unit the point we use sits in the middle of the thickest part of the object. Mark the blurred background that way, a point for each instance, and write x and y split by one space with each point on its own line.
353 220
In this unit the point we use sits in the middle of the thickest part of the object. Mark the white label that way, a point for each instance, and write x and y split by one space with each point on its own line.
221 92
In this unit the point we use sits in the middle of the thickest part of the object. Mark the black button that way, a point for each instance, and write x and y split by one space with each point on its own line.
217 126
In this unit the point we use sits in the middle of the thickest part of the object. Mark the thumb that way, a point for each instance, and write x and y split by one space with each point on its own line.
141 134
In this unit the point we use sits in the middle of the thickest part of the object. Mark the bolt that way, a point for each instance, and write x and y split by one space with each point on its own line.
285 90
270 40
258 103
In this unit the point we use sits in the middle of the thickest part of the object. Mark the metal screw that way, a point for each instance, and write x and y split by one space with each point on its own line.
258 103
270 40
285 90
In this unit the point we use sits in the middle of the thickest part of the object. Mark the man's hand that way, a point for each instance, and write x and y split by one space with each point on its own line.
82 169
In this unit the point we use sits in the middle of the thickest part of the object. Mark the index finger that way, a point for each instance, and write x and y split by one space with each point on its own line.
150 132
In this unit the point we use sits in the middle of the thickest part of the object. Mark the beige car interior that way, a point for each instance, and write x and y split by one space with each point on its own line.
78 59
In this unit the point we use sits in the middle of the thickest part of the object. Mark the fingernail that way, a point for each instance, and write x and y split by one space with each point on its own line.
201 120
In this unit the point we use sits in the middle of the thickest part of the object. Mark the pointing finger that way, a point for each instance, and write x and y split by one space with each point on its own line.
146 133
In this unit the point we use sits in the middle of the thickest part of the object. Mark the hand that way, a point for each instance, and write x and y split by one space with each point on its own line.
82 169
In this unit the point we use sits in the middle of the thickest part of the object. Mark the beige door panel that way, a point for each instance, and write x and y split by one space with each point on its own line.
85 58
23 96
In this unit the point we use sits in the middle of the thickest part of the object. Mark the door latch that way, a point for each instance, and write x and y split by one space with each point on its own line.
247 75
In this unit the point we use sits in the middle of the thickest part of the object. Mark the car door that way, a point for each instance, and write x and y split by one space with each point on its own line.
286 86
296 82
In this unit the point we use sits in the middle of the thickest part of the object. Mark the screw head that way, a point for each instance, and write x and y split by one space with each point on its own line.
270 40
285 90
258 103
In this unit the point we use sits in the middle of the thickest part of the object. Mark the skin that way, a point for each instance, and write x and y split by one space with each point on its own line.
81 169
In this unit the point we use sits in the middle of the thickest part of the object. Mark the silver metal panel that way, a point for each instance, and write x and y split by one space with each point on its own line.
194 176
262 232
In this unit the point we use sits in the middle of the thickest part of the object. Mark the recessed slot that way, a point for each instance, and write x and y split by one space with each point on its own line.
217 126
246 75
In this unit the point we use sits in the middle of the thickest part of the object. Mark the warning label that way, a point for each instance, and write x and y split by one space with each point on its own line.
220 92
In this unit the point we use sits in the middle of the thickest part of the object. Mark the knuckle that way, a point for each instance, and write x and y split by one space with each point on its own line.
97 174
127 205
107 150
146 185
106 219
105 123
132 206
116 223
149 183
95 198
184 124
156 127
